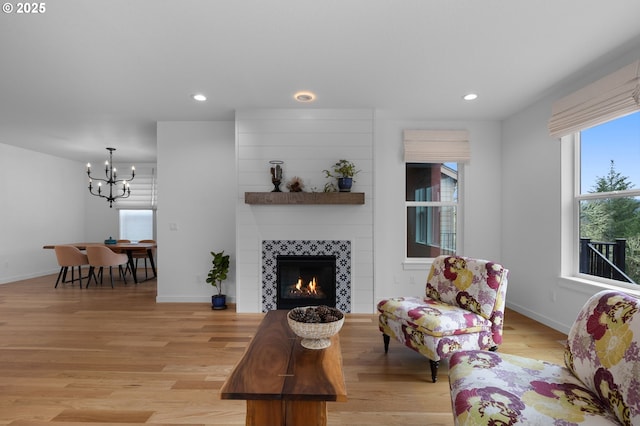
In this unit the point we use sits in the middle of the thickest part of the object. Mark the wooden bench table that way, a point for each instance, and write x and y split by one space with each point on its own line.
283 382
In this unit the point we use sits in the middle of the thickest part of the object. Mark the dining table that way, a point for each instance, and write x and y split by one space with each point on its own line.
128 248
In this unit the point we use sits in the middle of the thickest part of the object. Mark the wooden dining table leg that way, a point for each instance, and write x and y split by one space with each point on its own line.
153 264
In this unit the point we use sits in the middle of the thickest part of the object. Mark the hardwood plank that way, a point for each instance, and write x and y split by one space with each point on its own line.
71 353
103 416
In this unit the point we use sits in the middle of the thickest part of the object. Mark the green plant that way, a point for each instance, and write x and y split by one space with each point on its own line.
342 169
219 270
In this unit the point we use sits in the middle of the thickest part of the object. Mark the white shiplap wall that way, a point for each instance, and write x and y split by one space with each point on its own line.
308 141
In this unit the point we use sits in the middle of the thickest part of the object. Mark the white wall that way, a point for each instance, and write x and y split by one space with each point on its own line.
531 209
481 201
102 221
196 207
43 202
308 141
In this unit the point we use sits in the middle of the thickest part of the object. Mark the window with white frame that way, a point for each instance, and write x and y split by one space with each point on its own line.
600 129
607 200
137 212
433 171
432 208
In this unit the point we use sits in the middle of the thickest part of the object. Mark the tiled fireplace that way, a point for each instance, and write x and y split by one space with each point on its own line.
308 140
318 255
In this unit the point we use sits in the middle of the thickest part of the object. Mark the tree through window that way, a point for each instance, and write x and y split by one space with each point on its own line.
609 200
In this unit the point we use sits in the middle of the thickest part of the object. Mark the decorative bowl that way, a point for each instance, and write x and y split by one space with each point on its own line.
315 335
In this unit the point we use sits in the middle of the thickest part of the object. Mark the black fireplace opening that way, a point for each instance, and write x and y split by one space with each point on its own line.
305 281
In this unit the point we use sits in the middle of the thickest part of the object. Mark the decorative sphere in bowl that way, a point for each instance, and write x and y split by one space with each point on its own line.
315 325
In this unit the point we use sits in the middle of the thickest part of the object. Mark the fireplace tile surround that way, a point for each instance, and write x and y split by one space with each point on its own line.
271 249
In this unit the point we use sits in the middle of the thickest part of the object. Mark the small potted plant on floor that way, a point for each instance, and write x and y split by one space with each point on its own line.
217 274
344 171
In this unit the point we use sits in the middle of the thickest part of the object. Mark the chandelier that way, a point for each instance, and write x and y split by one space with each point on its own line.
112 180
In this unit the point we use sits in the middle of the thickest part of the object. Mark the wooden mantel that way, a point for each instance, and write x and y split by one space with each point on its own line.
304 197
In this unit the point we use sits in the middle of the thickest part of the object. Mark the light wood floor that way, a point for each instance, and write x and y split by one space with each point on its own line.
113 356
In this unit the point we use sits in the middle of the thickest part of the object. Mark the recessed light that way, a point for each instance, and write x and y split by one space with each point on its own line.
470 96
305 97
199 97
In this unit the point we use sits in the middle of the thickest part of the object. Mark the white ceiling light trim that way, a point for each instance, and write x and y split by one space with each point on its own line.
305 96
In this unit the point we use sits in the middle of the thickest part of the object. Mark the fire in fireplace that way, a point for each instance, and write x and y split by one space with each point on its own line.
305 281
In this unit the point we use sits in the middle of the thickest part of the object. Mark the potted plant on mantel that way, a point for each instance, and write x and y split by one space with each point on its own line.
344 171
217 274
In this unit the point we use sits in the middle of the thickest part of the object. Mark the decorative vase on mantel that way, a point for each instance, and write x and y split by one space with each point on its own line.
276 174
343 171
344 184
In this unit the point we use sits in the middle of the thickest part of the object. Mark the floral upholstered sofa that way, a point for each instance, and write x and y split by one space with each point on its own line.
463 308
598 385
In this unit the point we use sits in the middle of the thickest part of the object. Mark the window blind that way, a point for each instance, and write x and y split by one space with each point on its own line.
610 97
436 146
143 190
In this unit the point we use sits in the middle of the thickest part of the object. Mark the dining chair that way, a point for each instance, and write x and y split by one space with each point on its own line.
128 267
102 256
144 255
69 257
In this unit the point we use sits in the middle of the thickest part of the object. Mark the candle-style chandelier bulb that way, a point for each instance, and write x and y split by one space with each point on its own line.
111 180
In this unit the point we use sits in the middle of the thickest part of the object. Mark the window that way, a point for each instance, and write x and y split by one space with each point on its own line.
433 160
432 208
136 225
607 200
599 125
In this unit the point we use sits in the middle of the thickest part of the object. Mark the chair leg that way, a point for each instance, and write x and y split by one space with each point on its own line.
92 273
80 275
111 275
59 276
386 340
123 273
434 370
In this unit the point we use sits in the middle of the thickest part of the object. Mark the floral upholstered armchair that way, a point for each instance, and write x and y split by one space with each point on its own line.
463 308
598 385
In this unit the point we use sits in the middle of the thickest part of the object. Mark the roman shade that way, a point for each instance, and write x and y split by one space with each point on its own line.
436 146
143 190
610 97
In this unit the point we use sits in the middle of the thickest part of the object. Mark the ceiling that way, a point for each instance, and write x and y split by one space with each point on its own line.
85 75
